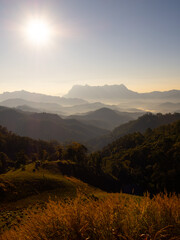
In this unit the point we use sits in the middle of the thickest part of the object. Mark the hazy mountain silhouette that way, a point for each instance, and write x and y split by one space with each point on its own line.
84 108
169 107
37 106
38 97
110 92
101 92
53 107
139 125
27 108
105 118
47 126
124 98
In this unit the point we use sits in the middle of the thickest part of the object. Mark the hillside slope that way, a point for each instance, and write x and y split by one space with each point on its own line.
104 118
140 125
149 161
28 189
47 126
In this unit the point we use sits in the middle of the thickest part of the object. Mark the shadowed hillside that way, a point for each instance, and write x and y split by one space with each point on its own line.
141 162
47 126
140 125
104 118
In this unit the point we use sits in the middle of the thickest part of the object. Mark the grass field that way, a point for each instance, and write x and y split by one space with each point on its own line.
22 190
116 216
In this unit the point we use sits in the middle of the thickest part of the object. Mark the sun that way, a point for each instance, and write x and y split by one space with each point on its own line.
38 31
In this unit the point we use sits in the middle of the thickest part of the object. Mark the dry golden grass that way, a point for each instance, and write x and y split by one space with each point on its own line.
114 217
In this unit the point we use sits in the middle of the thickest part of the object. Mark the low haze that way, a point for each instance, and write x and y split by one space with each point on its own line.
133 42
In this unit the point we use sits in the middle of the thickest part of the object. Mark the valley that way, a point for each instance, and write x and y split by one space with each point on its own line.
69 151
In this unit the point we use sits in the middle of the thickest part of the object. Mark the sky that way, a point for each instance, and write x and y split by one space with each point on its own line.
94 42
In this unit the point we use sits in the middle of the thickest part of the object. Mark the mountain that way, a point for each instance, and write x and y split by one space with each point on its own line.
169 107
148 120
141 124
104 118
115 92
47 126
145 162
101 92
84 108
53 107
38 97
30 105
27 108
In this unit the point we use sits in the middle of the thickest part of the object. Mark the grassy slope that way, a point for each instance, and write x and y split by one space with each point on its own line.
116 217
27 189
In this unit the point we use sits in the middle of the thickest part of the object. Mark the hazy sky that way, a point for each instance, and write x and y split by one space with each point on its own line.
95 42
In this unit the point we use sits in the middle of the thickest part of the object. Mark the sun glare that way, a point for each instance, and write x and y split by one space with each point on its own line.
38 32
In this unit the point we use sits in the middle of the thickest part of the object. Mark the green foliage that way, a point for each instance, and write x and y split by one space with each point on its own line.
3 162
16 151
23 150
75 152
149 161
21 159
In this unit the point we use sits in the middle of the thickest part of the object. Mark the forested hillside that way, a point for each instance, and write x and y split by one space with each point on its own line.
137 162
145 162
16 151
70 159
148 120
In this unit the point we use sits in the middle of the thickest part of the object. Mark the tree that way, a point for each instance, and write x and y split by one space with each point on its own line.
3 162
21 159
75 152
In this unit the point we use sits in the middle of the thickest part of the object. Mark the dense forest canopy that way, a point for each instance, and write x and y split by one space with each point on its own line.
149 161
16 151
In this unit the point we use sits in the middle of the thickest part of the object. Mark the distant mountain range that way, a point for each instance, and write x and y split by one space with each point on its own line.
115 92
32 106
106 118
169 107
115 97
47 126
50 107
38 97
87 128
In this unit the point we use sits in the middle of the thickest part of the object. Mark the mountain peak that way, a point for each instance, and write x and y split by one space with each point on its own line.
117 92
100 92
123 86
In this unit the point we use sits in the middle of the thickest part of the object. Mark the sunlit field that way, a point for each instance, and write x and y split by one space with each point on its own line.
116 216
